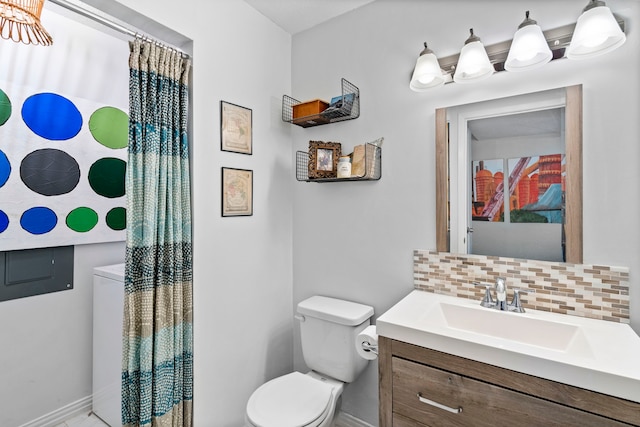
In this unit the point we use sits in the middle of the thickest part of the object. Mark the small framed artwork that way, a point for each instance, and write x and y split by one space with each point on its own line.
323 159
236 128
237 192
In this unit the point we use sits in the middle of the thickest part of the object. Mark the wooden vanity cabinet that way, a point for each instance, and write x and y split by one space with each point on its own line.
487 395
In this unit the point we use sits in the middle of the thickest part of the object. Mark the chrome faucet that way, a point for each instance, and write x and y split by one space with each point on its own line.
501 294
500 303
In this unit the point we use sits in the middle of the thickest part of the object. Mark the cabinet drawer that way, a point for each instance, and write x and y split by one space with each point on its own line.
400 421
482 404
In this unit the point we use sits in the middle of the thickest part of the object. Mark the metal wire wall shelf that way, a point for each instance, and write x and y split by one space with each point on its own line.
372 167
345 107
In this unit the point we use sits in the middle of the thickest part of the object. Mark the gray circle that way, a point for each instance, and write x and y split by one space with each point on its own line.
50 172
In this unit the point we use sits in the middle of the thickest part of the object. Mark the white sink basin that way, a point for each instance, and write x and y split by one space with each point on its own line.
552 335
593 354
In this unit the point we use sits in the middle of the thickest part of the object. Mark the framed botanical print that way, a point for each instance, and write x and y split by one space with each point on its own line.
236 128
237 192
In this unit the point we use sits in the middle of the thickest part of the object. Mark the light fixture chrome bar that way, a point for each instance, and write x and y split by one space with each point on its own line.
557 38
109 23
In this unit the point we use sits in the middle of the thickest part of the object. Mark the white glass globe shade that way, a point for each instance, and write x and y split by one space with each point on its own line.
597 32
473 65
427 73
529 50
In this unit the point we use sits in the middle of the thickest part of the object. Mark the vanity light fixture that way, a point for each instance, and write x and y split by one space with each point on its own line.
20 22
574 41
427 73
474 63
597 32
529 49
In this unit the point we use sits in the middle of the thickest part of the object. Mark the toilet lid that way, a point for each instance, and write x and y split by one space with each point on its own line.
293 400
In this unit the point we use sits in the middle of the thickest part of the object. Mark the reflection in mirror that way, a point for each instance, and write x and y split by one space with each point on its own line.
509 177
517 185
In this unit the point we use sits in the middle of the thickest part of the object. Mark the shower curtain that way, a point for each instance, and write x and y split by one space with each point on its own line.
157 375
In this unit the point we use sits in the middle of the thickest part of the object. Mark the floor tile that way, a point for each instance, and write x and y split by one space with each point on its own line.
85 420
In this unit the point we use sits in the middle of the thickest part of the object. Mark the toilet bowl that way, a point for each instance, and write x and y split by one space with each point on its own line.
328 331
310 401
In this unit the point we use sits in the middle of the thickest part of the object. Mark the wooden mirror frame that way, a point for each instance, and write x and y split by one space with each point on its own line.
573 182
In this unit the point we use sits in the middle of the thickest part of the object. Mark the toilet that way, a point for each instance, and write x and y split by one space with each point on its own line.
328 331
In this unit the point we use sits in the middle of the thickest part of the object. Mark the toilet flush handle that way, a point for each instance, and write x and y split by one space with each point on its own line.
299 317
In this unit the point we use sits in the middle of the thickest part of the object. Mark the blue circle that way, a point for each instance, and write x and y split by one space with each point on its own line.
39 220
51 116
4 221
5 168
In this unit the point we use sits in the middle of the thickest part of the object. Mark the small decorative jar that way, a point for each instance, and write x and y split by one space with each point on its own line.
344 167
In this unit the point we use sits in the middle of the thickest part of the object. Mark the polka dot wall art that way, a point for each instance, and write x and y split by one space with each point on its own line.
62 169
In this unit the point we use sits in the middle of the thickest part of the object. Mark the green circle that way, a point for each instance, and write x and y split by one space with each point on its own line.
110 127
82 219
117 218
5 107
106 177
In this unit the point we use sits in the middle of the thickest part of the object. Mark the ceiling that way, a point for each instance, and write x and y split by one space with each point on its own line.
295 16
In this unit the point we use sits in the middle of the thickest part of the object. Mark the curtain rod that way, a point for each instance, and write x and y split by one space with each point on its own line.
111 24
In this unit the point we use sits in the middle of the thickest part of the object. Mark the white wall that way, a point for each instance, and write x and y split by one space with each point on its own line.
375 48
47 341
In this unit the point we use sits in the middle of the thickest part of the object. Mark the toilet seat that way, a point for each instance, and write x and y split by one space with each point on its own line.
293 400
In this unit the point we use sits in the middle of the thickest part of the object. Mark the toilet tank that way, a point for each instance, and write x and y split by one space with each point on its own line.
328 331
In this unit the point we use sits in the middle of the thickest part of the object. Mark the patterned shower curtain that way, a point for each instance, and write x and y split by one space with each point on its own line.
157 376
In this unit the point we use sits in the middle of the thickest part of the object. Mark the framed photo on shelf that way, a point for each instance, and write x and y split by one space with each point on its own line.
236 128
237 192
323 159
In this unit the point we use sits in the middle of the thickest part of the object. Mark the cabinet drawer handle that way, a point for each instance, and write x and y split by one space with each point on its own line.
439 405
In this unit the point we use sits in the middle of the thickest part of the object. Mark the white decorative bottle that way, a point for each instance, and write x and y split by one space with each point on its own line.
344 167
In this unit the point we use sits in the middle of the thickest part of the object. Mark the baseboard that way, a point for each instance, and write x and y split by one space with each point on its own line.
58 416
347 420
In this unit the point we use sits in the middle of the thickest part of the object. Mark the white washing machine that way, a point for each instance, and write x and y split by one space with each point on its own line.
108 311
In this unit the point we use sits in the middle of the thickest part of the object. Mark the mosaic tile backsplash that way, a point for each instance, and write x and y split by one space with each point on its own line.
595 291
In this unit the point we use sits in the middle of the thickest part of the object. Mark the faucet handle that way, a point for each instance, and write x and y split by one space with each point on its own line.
516 305
487 300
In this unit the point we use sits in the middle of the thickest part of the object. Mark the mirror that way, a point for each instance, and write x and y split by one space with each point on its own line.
456 213
517 185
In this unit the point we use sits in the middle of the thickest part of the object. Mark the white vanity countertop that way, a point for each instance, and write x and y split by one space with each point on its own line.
593 354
